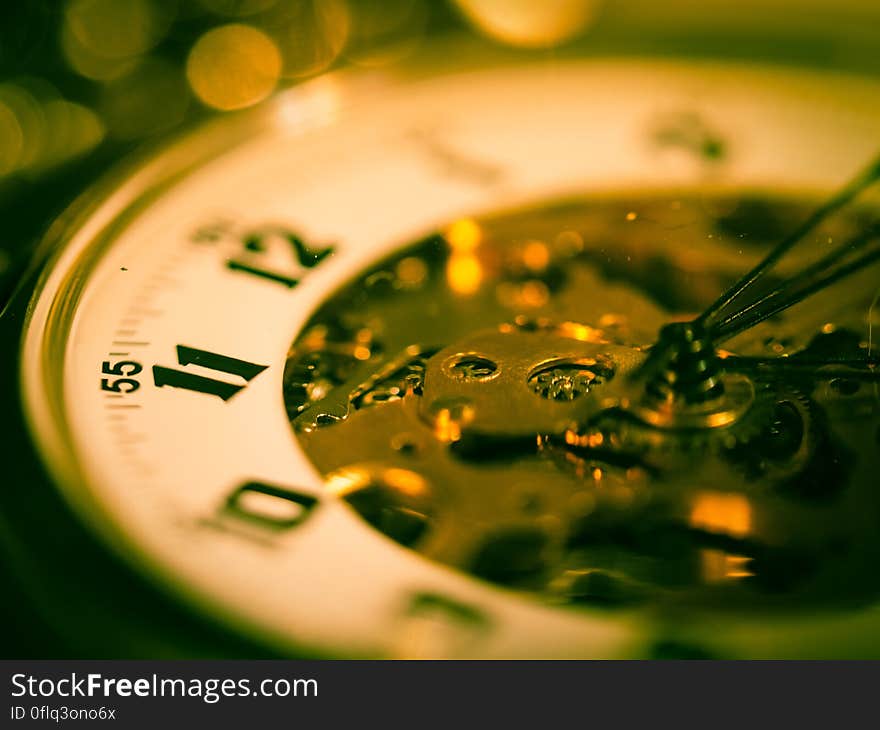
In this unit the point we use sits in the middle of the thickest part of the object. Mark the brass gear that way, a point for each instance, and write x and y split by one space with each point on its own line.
780 419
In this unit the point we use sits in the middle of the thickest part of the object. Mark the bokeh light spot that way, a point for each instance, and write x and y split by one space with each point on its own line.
310 34
115 29
528 23
11 139
386 32
233 67
464 273
464 235
39 129
93 65
72 130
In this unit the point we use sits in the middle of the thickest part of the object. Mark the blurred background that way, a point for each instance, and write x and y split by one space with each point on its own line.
84 82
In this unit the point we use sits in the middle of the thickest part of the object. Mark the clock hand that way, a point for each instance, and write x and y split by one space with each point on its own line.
826 367
820 275
853 189
853 245
684 364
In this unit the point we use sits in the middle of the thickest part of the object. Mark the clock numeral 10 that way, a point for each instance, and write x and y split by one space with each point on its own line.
269 506
224 390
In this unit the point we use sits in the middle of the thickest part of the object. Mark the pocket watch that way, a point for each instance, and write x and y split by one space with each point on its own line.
489 353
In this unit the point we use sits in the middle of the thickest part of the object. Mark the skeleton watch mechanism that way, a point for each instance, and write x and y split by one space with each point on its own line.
510 397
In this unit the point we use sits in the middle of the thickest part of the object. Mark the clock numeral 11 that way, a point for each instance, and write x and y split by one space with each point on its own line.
224 390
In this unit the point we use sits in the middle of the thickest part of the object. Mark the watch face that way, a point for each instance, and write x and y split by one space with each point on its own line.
375 370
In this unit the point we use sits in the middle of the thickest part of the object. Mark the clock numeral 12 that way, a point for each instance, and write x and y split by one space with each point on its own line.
245 370
304 255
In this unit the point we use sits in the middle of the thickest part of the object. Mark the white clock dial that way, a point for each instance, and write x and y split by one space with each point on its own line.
156 346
